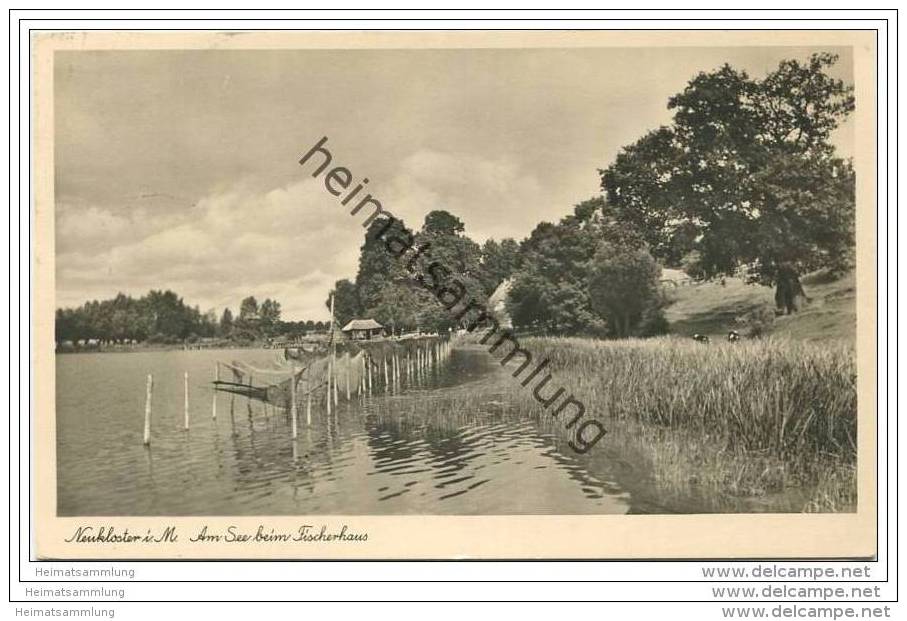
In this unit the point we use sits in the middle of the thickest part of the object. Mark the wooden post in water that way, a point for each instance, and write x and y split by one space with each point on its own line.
360 373
293 402
186 401
331 362
336 382
149 386
214 396
387 384
327 395
349 363
309 383
308 406
232 417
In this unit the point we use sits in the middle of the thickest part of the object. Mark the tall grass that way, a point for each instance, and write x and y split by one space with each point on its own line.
745 418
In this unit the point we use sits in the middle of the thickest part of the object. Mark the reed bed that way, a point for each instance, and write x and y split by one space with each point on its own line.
750 418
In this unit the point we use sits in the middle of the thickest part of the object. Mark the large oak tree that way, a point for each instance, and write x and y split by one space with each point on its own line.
746 175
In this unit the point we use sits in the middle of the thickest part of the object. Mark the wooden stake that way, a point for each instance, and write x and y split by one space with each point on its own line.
349 363
328 393
186 401
360 373
331 359
308 406
249 400
214 396
293 402
149 386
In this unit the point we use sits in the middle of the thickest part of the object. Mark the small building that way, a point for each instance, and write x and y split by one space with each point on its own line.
359 329
497 303
674 278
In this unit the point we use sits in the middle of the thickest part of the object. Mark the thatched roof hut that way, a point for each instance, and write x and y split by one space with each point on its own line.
362 328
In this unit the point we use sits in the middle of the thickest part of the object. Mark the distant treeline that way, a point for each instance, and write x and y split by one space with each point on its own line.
163 317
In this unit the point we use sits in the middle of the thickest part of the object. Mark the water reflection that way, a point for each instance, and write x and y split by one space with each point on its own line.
450 444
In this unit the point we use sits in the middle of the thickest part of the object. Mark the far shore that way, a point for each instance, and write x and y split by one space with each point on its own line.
145 347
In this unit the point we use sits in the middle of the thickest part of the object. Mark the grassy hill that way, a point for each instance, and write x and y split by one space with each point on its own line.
712 308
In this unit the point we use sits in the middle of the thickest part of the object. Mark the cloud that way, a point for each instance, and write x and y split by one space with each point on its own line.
494 196
290 243
88 226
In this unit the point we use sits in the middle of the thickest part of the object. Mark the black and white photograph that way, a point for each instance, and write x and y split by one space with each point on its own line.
516 281
452 280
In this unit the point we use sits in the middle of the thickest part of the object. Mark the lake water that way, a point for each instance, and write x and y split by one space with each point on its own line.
450 445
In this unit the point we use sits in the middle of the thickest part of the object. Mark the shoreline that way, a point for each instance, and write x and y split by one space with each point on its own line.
735 424
133 349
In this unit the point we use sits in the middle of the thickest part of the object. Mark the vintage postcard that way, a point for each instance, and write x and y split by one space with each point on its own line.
454 295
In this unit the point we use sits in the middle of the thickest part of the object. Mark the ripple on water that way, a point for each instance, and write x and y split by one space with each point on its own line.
420 452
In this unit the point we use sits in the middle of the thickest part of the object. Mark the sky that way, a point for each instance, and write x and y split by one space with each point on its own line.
179 169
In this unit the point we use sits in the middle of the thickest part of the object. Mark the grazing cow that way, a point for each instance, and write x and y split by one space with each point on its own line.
701 338
733 336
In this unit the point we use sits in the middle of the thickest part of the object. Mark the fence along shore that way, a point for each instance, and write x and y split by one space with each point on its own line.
341 370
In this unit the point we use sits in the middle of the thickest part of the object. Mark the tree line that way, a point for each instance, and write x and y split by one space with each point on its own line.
163 317
587 274
387 285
